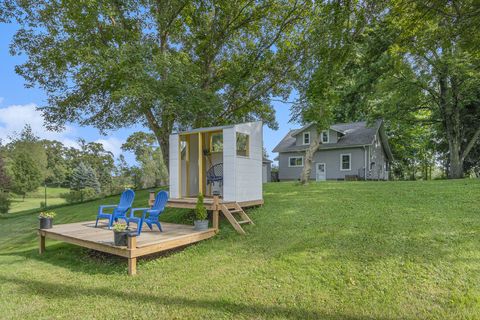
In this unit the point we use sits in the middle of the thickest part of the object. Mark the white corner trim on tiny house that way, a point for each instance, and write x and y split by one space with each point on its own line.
193 153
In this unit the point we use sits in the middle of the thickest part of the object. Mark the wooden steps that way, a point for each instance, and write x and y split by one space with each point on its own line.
229 214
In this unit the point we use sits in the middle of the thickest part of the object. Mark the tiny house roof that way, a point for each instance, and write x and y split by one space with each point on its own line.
205 129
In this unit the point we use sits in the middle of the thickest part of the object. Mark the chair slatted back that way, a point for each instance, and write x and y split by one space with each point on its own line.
126 199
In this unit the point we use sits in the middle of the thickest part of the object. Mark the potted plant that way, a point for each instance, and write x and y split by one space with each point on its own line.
46 219
201 222
120 233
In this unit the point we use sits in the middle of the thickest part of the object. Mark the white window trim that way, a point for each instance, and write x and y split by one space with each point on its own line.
292 158
328 136
349 162
303 138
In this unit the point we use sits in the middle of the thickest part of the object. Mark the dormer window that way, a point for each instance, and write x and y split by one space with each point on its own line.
324 136
306 138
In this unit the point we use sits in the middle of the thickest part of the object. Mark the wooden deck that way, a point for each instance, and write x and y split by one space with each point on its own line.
101 239
190 203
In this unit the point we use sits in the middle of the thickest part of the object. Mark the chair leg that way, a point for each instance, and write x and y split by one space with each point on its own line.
96 223
149 224
139 227
159 226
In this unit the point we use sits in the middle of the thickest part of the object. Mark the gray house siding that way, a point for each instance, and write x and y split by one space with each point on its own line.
332 161
366 143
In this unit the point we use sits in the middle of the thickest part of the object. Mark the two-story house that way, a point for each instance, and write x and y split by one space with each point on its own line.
352 150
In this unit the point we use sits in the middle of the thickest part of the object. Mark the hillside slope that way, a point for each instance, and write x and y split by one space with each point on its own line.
333 250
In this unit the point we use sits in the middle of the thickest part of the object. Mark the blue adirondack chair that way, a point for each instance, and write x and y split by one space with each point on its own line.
150 215
119 211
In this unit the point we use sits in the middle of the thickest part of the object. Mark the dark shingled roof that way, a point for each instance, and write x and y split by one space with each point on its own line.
353 134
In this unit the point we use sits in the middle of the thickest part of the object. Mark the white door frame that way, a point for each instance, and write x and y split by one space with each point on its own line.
324 171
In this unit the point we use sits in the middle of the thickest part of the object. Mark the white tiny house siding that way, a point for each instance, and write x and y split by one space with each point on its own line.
173 165
229 161
242 175
248 170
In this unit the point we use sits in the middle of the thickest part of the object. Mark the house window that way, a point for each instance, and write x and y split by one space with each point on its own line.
325 138
295 161
243 141
216 142
345 162
306 138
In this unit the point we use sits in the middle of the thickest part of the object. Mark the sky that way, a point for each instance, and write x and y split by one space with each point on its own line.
18 107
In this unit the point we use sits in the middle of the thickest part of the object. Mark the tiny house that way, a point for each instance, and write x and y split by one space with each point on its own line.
226 161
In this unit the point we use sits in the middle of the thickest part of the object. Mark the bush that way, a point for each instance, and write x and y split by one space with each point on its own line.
4 202
200 210
80 195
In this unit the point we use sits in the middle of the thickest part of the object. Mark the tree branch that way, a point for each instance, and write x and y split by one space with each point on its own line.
471 143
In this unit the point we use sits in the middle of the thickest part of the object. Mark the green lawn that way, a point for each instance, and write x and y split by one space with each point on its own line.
334 250
33 199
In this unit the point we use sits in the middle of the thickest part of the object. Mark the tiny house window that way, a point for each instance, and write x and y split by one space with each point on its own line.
216 142
243 141
325 138
345 162
295 162
306 138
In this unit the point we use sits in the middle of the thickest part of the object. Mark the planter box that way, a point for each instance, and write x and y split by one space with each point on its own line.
120 238
46 223
200 225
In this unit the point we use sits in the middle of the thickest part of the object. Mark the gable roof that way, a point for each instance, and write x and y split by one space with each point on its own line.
352 135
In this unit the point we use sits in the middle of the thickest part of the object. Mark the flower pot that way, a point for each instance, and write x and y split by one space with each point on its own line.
120 237
200 225
46 223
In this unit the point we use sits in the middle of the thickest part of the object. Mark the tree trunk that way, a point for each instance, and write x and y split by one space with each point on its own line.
307 164
162 133
451 122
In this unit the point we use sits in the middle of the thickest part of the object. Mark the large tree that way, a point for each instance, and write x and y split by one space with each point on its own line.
439 40
336 28
414 64
163 64
148 155
27 176
5 181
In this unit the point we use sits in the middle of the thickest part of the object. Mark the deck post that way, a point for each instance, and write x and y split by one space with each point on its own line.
215 213
132 262
41 242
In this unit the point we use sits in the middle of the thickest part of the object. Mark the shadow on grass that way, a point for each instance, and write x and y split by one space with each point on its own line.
66 291
75 259
84 260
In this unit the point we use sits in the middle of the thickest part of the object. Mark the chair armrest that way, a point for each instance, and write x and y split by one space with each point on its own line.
132 212
100 209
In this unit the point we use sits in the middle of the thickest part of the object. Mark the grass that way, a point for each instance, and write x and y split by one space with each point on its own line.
33 199
334 250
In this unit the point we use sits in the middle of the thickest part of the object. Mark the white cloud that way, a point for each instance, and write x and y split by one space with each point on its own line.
1 100
13 119
112 144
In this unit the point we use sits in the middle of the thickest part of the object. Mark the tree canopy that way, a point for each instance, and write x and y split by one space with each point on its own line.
113 64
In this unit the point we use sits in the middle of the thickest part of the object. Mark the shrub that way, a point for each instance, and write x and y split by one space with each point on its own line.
80 195
4 202
47 214
200 210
